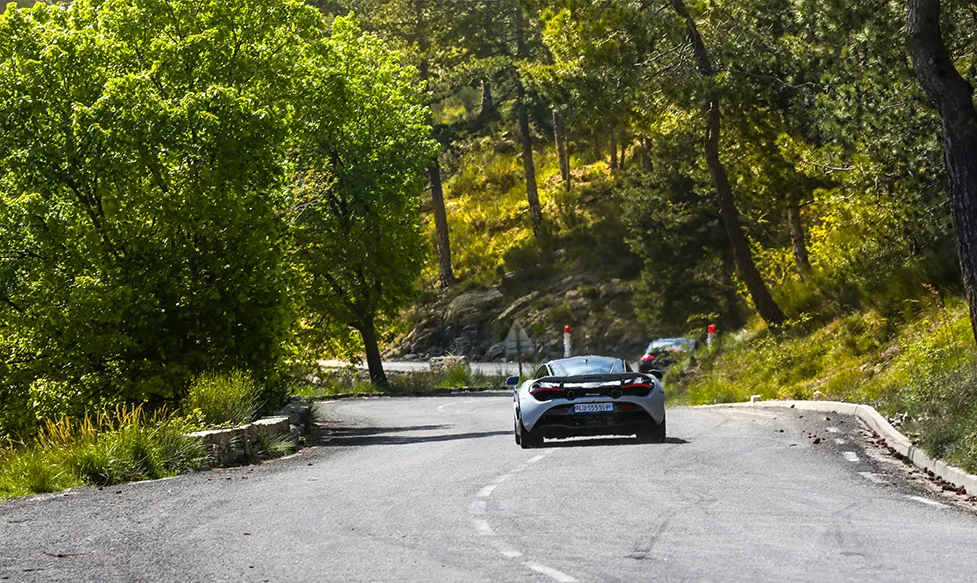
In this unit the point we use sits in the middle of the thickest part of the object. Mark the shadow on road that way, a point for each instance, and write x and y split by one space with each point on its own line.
350 436
598 441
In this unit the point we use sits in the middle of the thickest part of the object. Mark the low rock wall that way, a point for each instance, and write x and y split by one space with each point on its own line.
237 445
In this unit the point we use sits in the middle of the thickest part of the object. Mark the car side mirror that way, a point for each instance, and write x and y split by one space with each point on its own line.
657 373
512 382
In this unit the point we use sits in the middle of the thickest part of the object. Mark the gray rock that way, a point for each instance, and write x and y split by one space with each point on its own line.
472 307
517 305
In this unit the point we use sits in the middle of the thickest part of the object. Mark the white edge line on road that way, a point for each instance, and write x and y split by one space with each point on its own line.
520 468
550 572
482 526
926 501
850 456
501 479
536 459
486 491
477 507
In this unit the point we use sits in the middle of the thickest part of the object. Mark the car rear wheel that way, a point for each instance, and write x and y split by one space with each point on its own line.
653 433
527 439
516 432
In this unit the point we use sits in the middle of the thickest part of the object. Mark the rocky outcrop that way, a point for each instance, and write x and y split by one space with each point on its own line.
475 322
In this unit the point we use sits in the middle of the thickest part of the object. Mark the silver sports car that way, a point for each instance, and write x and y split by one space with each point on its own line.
588 395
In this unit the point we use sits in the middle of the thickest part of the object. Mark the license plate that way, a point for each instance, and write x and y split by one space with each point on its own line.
593 407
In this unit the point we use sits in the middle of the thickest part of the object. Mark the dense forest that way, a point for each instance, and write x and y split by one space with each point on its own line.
197 187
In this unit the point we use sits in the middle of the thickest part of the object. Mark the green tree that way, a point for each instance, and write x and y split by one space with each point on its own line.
363 146
141 183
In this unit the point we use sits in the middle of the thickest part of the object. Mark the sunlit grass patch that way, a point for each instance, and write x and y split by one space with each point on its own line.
119 445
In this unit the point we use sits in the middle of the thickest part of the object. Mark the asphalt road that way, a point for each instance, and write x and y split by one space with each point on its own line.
435 489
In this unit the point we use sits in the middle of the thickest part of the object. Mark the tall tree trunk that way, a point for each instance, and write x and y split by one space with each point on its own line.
613 147
797 238
445 275
598 155
535 211
487 103
740 245
645 156
369 333
953 97
559 135
624 149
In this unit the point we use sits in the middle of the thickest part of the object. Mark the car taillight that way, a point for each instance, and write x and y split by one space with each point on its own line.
546 393
636 390
648 358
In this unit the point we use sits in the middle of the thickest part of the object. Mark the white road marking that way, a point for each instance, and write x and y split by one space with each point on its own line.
486 491
833 430
482 526
550 572
500 479
536 459
477 507
850 456
505 549
840 441
926 501
520 468
872 477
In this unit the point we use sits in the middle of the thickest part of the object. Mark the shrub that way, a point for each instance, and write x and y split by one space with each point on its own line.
224 398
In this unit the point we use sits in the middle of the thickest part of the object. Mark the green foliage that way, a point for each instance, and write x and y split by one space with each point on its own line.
141 174
360 172
115 446
223 398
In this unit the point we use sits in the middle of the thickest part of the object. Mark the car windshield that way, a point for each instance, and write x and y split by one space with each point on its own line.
671 344
586 365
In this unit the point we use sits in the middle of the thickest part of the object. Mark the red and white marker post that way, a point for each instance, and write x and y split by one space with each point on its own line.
710 334
566 341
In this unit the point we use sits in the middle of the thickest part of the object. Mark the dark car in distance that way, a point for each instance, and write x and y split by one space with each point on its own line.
664 351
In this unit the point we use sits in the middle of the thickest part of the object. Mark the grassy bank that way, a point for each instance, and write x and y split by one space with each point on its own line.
921 369
125 444
121 445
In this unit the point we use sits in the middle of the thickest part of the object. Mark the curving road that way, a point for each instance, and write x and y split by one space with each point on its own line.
434 489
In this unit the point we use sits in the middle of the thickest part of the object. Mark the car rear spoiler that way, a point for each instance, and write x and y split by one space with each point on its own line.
617 377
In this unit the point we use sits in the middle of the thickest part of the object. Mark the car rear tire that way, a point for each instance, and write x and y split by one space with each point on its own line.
515 431
659 431
655 433
528 439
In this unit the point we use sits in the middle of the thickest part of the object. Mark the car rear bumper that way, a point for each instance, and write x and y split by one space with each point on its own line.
584 424
558 431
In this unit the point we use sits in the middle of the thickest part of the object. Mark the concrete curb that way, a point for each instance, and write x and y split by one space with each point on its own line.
877 423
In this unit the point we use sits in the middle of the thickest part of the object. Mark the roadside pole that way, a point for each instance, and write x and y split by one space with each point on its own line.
566 341
710 334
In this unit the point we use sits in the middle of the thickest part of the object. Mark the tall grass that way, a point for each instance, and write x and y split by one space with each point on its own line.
224 398
114 446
